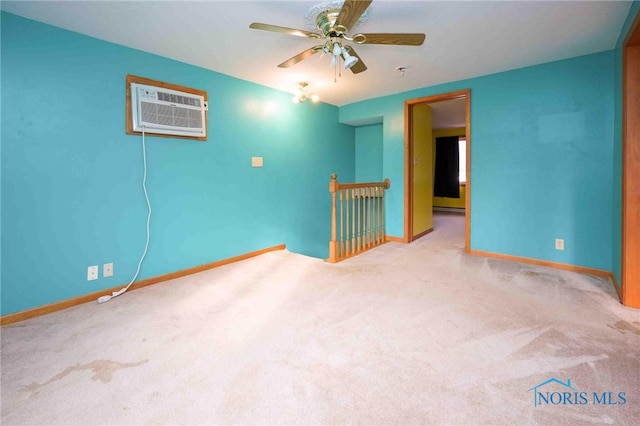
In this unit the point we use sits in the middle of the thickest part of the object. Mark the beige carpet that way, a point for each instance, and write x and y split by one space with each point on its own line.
404 334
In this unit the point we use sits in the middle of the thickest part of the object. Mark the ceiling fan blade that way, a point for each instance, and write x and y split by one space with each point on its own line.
406 39
350 13
300 57
359 66
284 30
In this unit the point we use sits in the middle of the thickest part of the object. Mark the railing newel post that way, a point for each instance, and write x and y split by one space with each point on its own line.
333 187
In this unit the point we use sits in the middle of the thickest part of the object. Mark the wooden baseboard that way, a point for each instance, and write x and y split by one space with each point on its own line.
557 265
422 234
617 286
92 297
390 238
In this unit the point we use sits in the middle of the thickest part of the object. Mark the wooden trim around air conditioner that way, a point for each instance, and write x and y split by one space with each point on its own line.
142 80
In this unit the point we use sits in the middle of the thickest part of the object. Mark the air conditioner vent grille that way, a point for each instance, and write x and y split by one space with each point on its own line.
169 115
178 99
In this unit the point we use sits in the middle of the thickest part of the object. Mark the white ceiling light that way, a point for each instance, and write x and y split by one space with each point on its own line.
336 49
301 94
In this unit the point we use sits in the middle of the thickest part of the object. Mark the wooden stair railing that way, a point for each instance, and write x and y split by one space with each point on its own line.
357 217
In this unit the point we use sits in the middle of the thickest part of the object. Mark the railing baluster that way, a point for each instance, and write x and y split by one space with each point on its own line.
358 240
371 227
364 218
361 217
378 193
380 204
374 215
346 225
353 220
372 201
378 213
341 224
367 217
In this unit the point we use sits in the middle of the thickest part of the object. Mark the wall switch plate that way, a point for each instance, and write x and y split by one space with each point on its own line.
256 161
92 273
559 244
107 270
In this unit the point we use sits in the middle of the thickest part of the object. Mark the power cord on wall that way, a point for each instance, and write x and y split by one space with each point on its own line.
103 299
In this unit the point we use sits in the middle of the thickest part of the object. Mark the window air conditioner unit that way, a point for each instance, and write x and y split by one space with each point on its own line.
167 112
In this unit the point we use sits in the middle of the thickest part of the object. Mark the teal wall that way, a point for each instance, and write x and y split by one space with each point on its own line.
369 153
71 179
616 231
541 158
389 110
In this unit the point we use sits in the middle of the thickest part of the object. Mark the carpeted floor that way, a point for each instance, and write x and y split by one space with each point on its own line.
403 334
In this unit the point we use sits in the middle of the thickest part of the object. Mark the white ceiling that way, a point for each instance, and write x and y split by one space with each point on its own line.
448 114
464 39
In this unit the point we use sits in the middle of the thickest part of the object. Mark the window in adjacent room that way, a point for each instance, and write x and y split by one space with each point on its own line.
462 158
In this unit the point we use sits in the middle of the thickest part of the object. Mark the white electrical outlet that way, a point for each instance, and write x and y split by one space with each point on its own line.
107 270
256 161
559 244
92 273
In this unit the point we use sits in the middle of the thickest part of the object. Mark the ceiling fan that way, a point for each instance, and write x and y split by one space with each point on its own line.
334 26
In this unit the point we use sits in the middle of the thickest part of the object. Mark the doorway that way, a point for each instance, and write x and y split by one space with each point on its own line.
418 162
631 168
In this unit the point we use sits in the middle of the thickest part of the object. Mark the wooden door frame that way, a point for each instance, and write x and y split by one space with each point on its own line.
408 163
630 279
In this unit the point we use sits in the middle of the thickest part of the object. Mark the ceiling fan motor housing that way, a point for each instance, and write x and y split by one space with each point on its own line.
326 21
326 24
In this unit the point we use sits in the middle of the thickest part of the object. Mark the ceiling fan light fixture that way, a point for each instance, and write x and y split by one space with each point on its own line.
348 63
301 95
349 60
337 49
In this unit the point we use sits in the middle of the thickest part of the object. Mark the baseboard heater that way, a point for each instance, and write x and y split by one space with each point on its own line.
449 210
